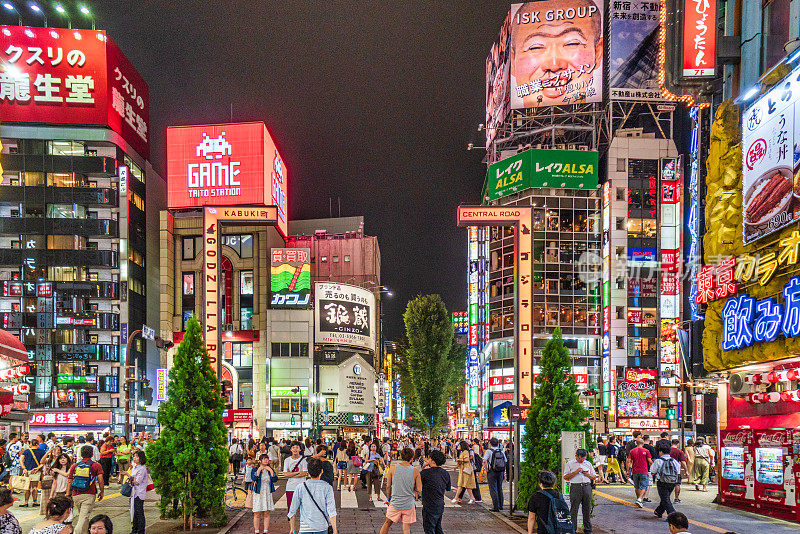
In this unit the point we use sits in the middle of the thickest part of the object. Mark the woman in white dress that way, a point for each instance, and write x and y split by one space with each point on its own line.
263 479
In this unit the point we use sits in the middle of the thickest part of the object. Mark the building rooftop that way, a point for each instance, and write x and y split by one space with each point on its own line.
333 226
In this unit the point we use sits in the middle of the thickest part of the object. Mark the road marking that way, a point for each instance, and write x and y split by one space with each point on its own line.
282 502
348 499
632 505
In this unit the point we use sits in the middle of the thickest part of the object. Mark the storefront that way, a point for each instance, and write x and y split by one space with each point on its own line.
239 423
71 423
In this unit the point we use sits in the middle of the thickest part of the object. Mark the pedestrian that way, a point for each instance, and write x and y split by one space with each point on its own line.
60 470
703 459
8 523
274 453
327 468
466 476
58 510
639 461
653 454
663 441
580 474
140 477
689 452
341 459
667 472
676 453
123 459
315 502
86 486
101 524
364 453
32 467
678 523
600 460
540 503
235 457
375 466
622 460
13 449
435 482
263 479
295 468
403 484
613 470
107 451
494 462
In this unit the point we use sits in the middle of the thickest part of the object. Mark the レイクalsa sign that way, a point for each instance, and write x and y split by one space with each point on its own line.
64 76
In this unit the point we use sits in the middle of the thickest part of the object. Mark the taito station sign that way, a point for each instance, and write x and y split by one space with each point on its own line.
226 165
64 76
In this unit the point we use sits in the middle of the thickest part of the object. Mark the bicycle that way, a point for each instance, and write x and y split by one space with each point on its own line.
235 495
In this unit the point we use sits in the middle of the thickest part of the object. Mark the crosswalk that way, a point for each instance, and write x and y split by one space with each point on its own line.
357 499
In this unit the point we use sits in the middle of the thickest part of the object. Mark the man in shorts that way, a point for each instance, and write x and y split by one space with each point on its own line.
639 461
403 485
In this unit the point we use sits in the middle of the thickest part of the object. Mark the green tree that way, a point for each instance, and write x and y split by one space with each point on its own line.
556 406
190 458
429 333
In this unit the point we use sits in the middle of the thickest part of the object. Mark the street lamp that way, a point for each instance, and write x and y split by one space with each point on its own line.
11 7
39 11
86 13
63 12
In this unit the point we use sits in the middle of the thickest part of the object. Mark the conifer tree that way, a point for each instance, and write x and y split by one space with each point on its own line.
556 406
190 458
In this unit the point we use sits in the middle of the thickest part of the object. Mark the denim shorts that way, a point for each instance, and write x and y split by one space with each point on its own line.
640 481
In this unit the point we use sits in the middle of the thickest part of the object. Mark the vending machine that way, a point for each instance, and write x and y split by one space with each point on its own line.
775 474
737 481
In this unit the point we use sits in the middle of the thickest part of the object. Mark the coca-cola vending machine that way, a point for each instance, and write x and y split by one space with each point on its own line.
775 473
737 481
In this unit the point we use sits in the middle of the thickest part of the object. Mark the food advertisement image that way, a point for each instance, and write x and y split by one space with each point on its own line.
637 395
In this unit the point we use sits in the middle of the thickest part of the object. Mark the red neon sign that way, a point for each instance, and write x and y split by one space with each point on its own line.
56 75
699 38
226 165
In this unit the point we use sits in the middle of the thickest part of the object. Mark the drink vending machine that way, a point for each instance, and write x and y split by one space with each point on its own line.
775 486
737 472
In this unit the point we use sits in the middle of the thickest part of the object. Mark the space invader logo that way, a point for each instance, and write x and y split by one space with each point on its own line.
214 148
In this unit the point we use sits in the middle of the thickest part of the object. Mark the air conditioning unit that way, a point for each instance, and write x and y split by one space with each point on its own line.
738 386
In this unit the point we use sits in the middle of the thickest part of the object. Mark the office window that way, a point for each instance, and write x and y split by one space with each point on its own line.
775 29
621 164
620 223
621 193
620 312
346 257
189 247
290 350
620 342
336 259
242 244
242 354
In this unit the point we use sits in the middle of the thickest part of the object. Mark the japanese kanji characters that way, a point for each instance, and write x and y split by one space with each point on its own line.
737 314
745 321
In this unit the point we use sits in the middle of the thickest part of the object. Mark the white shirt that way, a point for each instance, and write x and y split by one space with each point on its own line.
580 478
273 452
235 448
289 465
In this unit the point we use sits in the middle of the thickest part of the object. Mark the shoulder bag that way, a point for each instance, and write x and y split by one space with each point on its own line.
330 527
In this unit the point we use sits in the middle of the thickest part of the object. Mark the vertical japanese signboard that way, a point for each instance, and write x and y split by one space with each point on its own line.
521 218
475 317
671 185
290 277
699 38
345 315
606 354
64 76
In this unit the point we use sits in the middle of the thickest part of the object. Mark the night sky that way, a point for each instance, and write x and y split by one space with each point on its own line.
370 102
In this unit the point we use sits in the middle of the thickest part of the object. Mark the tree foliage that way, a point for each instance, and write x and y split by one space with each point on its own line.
428 362
190 458
556 406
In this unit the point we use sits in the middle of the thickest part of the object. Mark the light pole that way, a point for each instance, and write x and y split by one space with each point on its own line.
125 396
11 7
39 11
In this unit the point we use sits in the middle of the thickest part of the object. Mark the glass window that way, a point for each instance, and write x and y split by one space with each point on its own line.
66 211
775 28
188 283
66 242
65 179
346 257
620 223
621 190
242 354
246 287
134 170
34 178
330 404
336 259
621 165
187 314
245 318
188 248
66 148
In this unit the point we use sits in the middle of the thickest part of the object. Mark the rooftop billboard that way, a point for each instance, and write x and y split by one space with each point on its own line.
498 89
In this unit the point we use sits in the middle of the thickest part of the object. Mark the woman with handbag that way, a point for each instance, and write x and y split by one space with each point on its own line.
375 467
107 452
264 479
466 475
46 484
140 477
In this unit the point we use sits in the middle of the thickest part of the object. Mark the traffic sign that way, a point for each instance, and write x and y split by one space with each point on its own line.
148 333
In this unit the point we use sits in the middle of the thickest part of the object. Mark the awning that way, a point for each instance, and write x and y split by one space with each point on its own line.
12 347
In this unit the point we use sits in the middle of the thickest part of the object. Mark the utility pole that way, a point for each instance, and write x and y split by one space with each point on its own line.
125 397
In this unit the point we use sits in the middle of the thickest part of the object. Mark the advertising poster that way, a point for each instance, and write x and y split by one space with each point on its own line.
344 315
556 53
57 75
633 50
290 277
771 161
498 89
356 386
637 395
500 414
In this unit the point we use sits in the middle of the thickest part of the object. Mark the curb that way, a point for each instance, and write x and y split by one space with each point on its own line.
233 522
502 517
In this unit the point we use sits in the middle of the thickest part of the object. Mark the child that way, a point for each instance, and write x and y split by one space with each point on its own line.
435 481
248 484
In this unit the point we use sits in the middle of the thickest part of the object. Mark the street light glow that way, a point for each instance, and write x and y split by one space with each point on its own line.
60 9
35 7
8 5
85 10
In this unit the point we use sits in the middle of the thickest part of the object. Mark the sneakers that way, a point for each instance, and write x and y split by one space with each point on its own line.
639 503
454 501
471 501
657 515
677 500
646 500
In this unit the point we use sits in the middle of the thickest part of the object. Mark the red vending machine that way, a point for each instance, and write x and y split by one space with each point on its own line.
737 482
775 473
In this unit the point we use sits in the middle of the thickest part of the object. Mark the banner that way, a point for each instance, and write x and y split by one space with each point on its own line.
498 89
633 50
637 395
556 53
290 277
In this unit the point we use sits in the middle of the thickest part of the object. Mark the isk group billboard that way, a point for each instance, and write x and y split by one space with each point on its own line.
290 277
226 165
62 76
556 53
345 315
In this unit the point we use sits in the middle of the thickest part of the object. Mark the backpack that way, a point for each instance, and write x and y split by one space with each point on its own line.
498 461
667 473
559 519
357 461
82 476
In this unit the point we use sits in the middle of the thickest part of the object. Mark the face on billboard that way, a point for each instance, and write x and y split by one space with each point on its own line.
56 75
556 53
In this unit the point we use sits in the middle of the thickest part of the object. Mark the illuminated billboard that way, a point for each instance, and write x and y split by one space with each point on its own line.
556 53
498 90
63 76
345 315
632 50
226 165
699 38
637 394
290 277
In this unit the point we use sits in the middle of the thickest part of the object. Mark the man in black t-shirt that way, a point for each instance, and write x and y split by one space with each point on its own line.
539 503
435 481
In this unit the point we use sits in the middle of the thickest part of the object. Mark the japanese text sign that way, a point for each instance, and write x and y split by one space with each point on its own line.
58 75
162 379
699 38
344 315
566 169
632 77
770 193
71 418
637 394
224 165
290 277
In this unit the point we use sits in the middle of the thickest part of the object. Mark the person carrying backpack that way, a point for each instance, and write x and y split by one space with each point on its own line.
494 461
580 474
667 473
85 485
548 513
